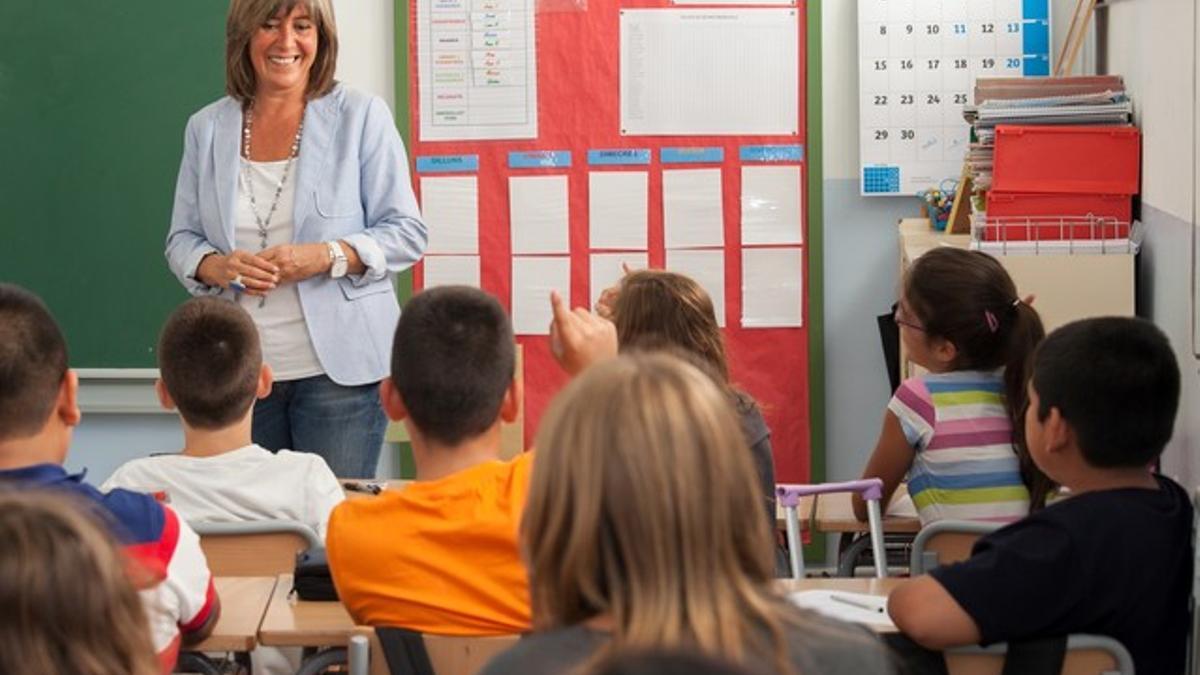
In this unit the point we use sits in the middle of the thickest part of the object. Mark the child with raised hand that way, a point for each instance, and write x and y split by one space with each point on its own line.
657 309
1115 558
439 555
69 604
956 430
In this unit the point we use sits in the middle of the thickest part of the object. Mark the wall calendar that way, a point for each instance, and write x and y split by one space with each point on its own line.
918 60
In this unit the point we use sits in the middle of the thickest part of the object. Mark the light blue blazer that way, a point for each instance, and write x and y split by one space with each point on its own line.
352 183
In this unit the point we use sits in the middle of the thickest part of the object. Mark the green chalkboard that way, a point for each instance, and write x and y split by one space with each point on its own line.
94 97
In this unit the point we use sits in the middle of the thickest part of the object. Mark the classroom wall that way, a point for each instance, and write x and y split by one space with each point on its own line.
861 255
861 249
105 441
1152 44
861 259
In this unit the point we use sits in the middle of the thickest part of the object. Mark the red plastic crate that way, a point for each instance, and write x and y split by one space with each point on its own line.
1067 159
1020 216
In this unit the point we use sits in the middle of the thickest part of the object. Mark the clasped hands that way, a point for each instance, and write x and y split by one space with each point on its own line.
261 273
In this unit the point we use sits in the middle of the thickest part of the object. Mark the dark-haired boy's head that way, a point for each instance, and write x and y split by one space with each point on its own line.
209 359
453 360
33 362
1115 381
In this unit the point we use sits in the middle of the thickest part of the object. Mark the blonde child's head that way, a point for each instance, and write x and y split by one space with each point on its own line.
960 310
641 510
69 604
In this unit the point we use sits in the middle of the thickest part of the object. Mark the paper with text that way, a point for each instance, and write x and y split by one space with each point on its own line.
617 209
771 287
709 72
451 270
532 280
771 208
539 214
477 69
693 215
450 207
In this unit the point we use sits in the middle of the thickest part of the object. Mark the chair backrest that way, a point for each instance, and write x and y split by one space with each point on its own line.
1086 655
871 490
944 542
451 655
395 651
254 548
1194 643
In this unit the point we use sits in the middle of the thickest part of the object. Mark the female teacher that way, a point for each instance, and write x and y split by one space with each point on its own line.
294 199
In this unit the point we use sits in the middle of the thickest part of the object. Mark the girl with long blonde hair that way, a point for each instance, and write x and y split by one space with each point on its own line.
68 603
638 533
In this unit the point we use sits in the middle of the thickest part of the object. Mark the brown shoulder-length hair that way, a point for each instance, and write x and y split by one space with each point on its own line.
247 16
636 512
69 603
968 298
657 309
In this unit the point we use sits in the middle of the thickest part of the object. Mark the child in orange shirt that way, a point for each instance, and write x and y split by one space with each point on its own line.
440 556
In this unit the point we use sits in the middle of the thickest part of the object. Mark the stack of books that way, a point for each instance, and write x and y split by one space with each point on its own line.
1052 158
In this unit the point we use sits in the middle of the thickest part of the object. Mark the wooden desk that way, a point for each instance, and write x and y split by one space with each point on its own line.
292 622
870 586
835 513
243 602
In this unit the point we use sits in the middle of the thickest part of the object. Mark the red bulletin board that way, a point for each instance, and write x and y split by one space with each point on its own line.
578 110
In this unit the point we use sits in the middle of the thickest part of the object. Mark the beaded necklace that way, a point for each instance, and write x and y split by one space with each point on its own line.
264 223
248 185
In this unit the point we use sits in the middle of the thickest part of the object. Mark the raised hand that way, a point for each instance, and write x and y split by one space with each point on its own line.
579 338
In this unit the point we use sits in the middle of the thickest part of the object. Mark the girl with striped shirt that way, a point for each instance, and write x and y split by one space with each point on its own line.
957 431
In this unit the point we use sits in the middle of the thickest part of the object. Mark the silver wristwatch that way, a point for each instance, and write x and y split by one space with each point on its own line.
337 258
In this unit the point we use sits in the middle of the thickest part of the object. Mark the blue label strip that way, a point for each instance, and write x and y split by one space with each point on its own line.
771 153
542 159
447 163
620 157
1035 9
693 155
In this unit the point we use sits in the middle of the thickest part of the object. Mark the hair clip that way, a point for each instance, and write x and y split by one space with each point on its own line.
992 322
1016 302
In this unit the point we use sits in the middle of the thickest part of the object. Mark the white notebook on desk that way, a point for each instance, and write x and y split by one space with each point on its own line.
869 610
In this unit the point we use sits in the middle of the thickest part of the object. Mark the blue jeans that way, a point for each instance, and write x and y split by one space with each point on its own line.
345 425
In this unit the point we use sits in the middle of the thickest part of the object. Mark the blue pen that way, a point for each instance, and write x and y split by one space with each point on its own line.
237 285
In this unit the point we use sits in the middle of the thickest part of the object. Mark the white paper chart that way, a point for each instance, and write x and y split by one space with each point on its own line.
478 69
918 60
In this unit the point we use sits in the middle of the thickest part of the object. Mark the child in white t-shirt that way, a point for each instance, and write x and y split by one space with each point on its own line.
211 370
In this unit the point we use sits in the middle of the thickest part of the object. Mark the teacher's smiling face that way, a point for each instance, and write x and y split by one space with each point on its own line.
283 49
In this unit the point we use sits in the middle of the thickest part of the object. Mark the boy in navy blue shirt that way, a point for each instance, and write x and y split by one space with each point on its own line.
1115 557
